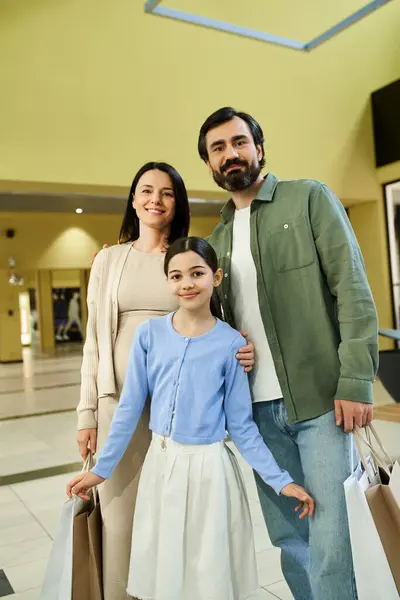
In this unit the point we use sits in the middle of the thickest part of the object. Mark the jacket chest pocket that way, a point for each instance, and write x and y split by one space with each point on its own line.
291 246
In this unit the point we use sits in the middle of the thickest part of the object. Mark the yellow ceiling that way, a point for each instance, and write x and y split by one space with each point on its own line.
295 19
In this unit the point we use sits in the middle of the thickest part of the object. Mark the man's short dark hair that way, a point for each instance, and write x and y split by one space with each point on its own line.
223 115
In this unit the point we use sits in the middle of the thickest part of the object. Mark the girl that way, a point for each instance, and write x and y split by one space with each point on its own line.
192 535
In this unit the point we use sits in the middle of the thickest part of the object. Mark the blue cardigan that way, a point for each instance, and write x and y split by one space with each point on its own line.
198 391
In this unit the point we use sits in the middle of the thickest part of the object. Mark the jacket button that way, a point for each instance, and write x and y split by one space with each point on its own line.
228 254
226 274
226 297
286 226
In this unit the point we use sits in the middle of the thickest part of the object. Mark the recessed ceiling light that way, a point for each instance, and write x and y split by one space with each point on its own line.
79 211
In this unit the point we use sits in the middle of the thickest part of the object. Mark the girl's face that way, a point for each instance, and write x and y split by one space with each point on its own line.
192 280
154 200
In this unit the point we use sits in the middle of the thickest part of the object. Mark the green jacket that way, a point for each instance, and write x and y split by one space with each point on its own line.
316 305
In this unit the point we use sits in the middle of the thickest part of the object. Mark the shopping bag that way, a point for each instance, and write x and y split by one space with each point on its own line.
373 575
57 583
95 526
80 557
381 499
395 482
70 549
386 515
87 578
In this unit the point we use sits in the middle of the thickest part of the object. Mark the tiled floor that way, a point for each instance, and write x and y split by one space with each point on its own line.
37 443
29 515
32 445
40 385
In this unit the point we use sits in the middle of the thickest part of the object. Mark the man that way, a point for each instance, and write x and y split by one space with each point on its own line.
295 281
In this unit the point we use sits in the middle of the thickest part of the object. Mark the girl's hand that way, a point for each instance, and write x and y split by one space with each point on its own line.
306 502
81 485
246 354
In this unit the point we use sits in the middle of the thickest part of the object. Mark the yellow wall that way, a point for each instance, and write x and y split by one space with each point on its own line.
64 278
56 240
90 91
62 242
203 226
389 172
366 219
131 87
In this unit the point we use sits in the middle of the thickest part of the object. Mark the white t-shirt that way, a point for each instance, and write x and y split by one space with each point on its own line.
263 377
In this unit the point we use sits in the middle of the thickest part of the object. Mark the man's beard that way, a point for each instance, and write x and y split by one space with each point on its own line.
237 180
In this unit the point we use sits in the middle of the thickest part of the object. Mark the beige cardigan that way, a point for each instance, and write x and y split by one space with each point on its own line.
97 373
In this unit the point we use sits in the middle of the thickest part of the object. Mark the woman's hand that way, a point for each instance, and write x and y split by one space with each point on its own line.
81 485
306 502
246 354
87 439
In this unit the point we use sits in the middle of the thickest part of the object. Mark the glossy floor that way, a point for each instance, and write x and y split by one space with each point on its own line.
37 438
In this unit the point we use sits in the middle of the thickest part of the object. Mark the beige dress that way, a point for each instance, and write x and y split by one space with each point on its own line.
143 293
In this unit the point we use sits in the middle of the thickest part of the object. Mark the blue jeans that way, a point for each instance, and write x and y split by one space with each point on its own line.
316 554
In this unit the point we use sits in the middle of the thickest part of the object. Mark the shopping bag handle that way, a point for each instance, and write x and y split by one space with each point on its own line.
380 459
371 428
368 467
88 464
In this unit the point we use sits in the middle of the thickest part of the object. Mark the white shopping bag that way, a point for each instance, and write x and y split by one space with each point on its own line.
57 583
395 482
374 578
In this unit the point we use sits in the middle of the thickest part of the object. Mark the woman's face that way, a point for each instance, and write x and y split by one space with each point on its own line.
154 200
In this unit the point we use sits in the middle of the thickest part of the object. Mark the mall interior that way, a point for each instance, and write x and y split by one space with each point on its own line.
89 93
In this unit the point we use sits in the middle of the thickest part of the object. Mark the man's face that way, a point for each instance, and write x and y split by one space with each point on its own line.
233 158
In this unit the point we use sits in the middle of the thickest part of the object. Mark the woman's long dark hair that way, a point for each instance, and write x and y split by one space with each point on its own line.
180 223
207 253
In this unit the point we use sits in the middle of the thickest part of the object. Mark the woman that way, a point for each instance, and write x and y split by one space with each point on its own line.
127 286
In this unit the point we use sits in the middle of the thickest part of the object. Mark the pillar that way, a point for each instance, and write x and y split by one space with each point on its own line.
10 322
44 299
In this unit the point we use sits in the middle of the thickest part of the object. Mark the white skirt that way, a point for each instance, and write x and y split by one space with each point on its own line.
192 533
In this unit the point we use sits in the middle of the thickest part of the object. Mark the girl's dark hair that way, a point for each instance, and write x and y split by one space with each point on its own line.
207 253
180 224
223 115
